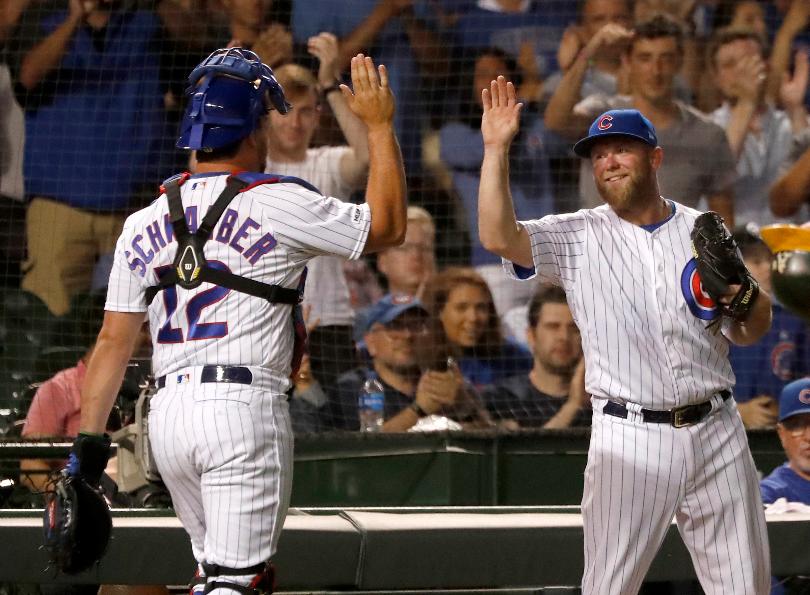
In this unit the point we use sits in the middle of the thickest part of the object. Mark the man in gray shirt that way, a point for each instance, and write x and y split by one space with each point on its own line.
699 162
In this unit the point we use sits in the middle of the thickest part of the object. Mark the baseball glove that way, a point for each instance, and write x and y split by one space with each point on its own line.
720 265
77 524
77 521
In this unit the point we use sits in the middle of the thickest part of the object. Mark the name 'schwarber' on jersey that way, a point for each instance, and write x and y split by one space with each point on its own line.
267 233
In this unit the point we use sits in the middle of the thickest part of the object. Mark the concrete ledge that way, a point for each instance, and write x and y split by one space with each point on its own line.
380 550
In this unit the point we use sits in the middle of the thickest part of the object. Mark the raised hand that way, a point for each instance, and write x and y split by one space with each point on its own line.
570 46
793 88
610 35
797 17
751 73
274 45
501 120
324 47
370 98
80 9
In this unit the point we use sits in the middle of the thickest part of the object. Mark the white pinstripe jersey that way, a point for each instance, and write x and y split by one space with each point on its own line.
267 233
638 303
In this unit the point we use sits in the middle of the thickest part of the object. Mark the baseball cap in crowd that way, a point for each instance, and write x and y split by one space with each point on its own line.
795 399
617 122
391 307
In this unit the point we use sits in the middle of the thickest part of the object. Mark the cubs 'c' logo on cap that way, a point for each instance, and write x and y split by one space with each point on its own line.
700 303
605 122
804 396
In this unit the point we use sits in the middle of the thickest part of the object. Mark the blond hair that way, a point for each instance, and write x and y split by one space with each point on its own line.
421 216
295 79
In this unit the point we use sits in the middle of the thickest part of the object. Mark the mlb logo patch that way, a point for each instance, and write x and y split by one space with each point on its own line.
183 378
198 185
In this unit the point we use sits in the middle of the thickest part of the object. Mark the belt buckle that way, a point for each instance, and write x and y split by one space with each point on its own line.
678 415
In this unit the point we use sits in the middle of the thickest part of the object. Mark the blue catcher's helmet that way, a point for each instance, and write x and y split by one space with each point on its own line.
229 92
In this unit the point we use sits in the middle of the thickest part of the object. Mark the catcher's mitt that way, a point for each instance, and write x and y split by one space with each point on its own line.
77 524
720 265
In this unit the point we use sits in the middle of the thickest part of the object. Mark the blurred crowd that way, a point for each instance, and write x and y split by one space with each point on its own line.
91 93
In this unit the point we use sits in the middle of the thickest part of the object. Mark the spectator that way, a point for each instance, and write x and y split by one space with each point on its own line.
530 32
741 14
762 369
54 413
55 410
247 27
551 395
364 286
12 142
336 171
758 134
790 194
699 162
602 73
408 267
396 332
788 21
462 303
399 34
88 77
792 479
462 149
688 16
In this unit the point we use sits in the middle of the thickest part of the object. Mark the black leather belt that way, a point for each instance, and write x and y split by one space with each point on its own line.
678 417
232 374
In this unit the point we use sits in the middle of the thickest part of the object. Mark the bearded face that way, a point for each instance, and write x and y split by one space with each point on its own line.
622 171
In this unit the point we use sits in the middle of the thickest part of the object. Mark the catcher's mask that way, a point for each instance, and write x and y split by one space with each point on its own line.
229 93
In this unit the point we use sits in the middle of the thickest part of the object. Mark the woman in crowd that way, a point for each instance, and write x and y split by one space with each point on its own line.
462 303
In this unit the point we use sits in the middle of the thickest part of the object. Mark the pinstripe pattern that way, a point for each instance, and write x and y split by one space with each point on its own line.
327 292
225 450
304 224
623 286
225 453
644 347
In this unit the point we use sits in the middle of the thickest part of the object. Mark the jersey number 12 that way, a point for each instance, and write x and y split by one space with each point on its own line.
196 330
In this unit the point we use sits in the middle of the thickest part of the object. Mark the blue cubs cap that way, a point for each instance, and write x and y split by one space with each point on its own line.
617 122
391 307
795 399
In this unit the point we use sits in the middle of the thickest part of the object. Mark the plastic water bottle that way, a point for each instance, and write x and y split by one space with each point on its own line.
370 405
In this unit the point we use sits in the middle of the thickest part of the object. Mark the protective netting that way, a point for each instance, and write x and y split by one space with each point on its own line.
92 94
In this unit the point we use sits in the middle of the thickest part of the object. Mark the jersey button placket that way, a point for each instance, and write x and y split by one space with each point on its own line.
657 270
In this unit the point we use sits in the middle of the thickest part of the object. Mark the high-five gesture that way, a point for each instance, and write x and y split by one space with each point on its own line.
371 100
497 225
325 48
501 119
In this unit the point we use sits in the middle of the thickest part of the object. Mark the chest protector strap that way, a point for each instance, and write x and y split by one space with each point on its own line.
190 268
